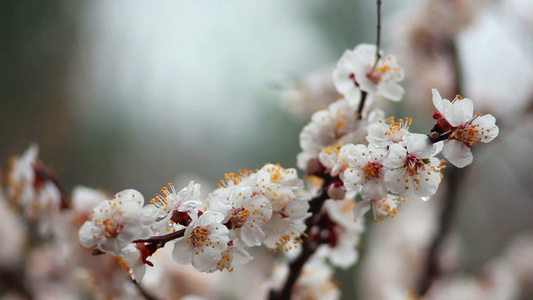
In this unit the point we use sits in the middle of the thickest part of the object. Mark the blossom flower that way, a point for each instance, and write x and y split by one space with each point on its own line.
358 70
278 185
204 241
344 78
233 256
414 166
38 196
330 126
173 206
131 260
381 208
383 134
454 112
464 129
481 128
335 158
245 214
115 223
336 124
289 209
286 225
84 199
366 172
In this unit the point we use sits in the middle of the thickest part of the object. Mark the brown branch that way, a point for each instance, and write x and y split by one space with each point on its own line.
45 174
378 37
359 112
309 244
162 239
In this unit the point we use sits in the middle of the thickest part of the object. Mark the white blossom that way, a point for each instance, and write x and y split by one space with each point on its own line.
414 166
233 256
204 241
115 223
383 134
39 197
336 124
131 260
172 206
286 225
245 214
358 70
464 129
366 172
381 207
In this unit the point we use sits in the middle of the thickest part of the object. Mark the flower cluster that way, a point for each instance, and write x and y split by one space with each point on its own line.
378 158
457 123
248 209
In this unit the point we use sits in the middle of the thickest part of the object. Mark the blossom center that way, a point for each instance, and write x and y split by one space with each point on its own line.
468 134
397 130
111 229
198 237
372 170
238 217
376 74
413 164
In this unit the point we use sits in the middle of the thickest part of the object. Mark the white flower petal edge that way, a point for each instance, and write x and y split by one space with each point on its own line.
458 154
115 223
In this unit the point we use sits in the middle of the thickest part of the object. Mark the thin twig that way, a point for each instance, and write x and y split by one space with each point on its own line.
378 37
45 174
359 113
162 238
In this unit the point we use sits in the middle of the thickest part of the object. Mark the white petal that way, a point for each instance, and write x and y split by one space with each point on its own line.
396 156
396 181
364 53
130 196
458 154
252 236
206 261
460 112
361 208
240 256
210 217
89 234
112 246
437 100
374 189
488 125
182 252
342 80
429 180
391 90
420 145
